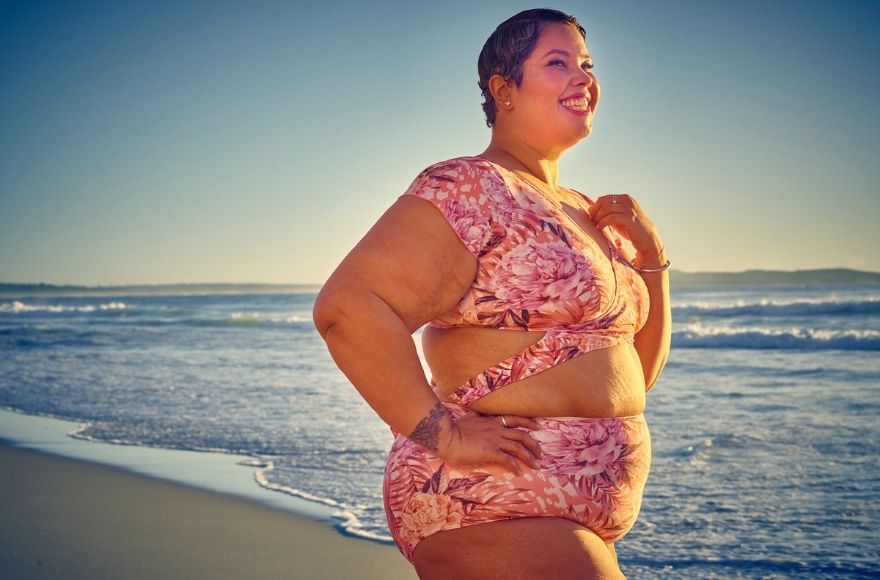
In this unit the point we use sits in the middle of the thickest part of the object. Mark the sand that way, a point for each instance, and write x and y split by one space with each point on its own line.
65 518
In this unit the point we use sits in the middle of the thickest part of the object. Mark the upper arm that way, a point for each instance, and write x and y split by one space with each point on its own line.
419 258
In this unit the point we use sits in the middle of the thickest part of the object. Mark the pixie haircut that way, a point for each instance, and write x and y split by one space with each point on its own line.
510 45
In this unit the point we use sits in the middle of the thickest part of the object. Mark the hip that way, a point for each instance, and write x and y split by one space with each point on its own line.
593 471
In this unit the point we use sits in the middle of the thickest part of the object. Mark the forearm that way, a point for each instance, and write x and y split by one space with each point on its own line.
374 348
653 340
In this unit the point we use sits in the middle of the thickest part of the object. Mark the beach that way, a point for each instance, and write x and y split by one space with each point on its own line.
764 436
66 518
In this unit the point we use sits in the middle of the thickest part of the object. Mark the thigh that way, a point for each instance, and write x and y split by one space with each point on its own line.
518 549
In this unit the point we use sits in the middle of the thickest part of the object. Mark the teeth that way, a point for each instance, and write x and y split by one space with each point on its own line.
578 104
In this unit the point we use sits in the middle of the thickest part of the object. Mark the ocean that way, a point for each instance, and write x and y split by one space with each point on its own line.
764 422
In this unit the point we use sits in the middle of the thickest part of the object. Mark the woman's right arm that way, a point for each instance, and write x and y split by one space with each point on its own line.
407 270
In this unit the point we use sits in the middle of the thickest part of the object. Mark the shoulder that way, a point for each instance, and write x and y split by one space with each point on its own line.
462 169
470 180
468 191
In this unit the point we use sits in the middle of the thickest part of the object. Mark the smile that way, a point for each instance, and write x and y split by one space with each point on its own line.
580 106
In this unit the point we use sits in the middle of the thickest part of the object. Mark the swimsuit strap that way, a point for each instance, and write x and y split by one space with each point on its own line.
558 345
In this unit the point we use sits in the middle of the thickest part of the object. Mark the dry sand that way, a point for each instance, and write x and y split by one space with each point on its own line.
64 518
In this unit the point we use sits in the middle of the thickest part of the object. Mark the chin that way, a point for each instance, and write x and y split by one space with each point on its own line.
580 135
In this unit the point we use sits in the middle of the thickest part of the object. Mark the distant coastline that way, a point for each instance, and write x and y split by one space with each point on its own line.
817 277
8 289
678 279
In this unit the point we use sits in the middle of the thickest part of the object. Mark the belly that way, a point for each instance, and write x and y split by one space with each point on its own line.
602 383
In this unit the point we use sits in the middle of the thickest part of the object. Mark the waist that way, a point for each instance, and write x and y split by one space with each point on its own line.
569 391
612 325
606 382
457 411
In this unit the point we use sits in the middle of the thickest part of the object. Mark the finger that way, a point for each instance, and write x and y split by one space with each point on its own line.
625 220
507 461
606 210
594 210
622 198
608 199
597 216
516 449
527 440
520 421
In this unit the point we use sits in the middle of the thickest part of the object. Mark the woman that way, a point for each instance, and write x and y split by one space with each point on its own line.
527 454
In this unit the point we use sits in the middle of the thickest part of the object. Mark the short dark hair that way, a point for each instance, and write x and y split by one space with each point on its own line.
510 45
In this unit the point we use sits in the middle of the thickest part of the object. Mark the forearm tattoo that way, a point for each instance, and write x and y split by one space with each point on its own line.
427 432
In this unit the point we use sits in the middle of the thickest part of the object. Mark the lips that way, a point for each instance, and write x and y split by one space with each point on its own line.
576 104
579 103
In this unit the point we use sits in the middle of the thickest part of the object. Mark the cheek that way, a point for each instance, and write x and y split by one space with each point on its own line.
595 90
542 100
551 83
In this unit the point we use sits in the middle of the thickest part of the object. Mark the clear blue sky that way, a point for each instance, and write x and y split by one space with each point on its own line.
160 142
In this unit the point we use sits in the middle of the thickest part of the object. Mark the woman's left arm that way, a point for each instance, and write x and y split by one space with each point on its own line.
653 340
624 214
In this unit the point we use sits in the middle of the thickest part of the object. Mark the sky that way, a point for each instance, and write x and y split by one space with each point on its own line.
185 142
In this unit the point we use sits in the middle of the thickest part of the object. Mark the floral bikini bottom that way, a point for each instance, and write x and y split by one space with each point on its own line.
593 472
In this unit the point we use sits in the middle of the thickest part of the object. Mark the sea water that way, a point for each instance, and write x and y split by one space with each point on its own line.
764 421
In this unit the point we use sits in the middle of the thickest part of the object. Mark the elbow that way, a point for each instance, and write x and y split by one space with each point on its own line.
650 382
652 374
327 310
650 379
338 304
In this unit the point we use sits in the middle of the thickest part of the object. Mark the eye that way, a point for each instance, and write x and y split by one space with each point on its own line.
556 62
587 66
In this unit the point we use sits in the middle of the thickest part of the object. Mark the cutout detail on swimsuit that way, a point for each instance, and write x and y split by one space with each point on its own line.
537 270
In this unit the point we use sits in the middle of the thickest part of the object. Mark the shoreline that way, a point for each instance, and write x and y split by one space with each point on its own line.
78 508
215 471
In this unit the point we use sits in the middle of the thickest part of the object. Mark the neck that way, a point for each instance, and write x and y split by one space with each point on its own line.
517 155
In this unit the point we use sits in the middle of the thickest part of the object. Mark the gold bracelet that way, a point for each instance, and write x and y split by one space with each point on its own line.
658 269
646 270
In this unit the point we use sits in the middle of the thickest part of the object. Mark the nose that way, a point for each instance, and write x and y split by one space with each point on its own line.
586 78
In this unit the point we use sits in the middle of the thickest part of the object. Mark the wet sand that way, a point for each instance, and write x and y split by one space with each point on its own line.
65 518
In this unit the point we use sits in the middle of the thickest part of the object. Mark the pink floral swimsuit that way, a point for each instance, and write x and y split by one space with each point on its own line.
537 270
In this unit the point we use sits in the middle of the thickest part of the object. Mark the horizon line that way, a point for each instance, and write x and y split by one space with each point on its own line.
143 284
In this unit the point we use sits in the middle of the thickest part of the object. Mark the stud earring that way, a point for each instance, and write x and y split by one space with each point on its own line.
507 103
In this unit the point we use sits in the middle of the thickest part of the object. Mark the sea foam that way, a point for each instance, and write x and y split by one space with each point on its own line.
696 335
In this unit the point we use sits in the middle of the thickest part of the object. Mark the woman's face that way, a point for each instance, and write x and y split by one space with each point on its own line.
558 94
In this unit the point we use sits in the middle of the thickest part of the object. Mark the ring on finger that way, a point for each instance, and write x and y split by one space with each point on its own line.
504 421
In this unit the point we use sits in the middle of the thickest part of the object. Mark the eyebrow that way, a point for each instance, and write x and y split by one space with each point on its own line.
566 53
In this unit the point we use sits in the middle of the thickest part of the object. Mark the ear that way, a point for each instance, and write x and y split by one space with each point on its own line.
500 90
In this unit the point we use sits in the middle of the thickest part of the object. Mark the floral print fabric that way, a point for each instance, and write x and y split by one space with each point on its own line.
536 270
556 346
593 472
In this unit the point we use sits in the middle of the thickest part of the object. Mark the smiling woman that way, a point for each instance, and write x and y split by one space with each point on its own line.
548 319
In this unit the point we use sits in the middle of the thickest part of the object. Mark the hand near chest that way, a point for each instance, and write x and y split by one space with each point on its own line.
623 213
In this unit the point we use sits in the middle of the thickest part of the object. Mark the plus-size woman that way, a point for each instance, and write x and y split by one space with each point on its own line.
526 453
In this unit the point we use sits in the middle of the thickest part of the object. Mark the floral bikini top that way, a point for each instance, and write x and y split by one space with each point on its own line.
537 270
